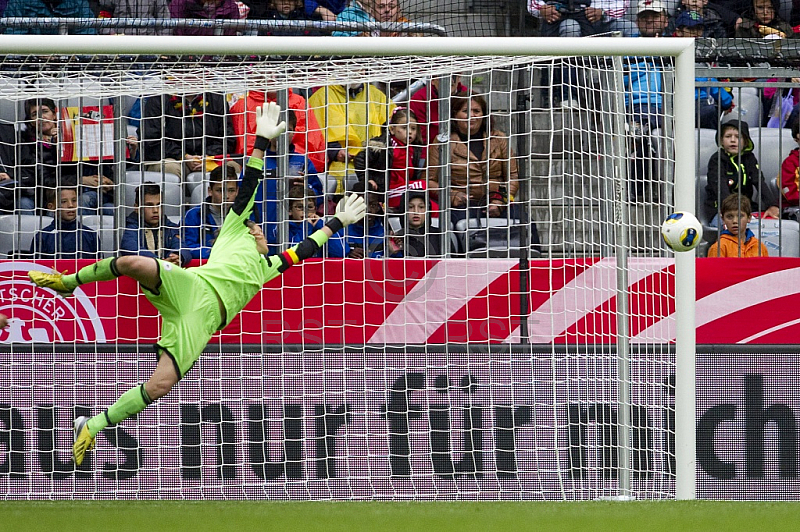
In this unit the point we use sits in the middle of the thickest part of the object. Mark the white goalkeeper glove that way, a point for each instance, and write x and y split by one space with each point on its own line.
351 209
267 117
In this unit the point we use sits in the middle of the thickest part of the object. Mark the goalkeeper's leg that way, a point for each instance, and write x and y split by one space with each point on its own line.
129 404
142 269
191 312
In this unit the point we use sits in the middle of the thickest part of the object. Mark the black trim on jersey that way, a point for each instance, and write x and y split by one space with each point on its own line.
155 291
161 349
145 397
250 181
334 225
285 264
113 267
306 249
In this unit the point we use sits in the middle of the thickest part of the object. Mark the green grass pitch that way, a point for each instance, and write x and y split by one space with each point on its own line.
638 516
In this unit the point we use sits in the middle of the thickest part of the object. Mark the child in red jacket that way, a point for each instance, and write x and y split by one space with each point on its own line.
790 171
394 162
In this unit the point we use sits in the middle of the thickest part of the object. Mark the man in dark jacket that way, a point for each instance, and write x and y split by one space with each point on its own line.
148 233
194 127
734 168
40 165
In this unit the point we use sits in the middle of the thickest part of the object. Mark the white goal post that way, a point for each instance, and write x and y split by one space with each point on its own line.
340 60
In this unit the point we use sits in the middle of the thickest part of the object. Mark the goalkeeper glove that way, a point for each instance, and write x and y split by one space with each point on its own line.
267 126
350 209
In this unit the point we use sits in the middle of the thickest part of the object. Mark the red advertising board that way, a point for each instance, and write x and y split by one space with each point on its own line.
427 301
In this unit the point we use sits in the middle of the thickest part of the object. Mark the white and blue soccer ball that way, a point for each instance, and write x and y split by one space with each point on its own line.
681 231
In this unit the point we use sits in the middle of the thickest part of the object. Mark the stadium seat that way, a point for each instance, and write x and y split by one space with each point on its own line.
141 176
106 230
706 146
771 147
331 181
16 232
491 237
171 193
710 232
748 107
780 237
194 180
11 111
198 195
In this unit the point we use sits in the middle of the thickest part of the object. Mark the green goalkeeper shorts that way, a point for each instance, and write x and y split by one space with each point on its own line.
189 314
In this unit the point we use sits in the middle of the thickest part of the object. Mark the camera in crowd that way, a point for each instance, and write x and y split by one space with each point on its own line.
570 7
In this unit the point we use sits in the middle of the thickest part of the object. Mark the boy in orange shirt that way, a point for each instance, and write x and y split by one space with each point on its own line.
737 240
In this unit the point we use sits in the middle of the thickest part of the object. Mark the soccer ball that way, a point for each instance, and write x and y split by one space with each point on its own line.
681 231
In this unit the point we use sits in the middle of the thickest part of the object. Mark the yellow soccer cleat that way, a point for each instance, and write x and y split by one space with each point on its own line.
53 281
83 440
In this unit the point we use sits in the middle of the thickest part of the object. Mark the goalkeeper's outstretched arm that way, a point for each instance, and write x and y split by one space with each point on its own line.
349 210
267 128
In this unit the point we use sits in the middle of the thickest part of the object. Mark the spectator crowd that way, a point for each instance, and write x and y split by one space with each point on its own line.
184 160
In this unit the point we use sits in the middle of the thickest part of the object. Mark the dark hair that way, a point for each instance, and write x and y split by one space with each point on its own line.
298 4
301 193
51 193
462 98
148 188
363 190
291 120
216 174
412 194
795 129
736 203
404 113
37 102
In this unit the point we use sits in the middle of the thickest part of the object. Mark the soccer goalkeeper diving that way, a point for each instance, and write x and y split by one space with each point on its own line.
195 303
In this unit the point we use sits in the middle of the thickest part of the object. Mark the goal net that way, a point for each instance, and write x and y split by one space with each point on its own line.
503 326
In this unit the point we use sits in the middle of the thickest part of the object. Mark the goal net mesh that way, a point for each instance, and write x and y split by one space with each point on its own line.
486 366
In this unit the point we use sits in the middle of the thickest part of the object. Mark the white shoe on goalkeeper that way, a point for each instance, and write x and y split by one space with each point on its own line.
53 281
83 440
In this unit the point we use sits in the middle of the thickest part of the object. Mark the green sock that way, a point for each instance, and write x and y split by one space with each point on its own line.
129 404
102 270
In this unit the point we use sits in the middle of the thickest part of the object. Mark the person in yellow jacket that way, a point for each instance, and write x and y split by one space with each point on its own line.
736 240
349 115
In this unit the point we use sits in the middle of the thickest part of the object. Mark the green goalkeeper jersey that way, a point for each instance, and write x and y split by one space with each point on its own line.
235 268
